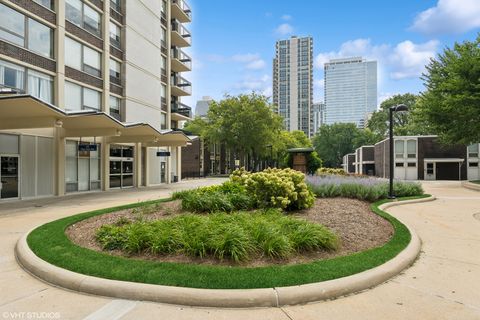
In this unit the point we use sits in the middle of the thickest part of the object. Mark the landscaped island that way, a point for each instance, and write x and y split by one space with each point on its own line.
266 229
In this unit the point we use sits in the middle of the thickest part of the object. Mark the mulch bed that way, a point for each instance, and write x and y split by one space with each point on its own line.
351 220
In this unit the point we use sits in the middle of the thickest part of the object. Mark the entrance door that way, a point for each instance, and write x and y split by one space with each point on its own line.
9 177
430 171
163 172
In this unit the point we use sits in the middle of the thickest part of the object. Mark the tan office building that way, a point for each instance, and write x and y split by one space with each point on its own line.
90 95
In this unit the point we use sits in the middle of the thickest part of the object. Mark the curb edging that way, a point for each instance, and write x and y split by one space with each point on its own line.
223 298
471 186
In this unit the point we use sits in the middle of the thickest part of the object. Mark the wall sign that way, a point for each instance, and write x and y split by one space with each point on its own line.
87 147
163 154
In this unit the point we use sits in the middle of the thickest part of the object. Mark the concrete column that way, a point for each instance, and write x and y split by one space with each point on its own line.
59 149
105 164
179 163
106 57
169 166
137 161
59 52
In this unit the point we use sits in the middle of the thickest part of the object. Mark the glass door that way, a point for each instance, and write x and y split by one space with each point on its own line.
8 177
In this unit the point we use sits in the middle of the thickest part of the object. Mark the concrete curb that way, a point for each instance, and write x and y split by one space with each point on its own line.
241 298
471 186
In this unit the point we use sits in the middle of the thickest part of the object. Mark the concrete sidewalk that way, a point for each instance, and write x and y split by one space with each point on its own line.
442 284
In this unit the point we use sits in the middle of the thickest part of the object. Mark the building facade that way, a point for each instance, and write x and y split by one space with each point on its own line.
293 83
91 90
319 114
350 90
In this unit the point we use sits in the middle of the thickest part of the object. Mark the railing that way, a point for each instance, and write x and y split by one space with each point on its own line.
182 83
182 56
184 6
183 109
178 27
4 89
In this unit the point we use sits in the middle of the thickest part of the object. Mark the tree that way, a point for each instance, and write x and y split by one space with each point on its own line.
334 141
288 140
245 124
404 122
450 106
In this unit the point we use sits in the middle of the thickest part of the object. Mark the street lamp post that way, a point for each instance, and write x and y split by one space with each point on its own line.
399 108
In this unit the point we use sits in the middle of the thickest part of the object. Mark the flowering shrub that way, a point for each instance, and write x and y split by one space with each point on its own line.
331 171
363 188
278 188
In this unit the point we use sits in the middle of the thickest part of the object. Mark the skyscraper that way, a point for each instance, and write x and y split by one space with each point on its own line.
350 90
293 83
318 112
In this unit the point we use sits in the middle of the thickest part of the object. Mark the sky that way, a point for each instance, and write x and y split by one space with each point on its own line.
234 41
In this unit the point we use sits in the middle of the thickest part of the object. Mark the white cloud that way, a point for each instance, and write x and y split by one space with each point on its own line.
319 84
252 83
247 57
384 96
448 17
404 60
286 17
284 29
256 65
408 59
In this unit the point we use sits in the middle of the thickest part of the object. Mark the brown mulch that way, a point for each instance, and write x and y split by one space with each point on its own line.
351 220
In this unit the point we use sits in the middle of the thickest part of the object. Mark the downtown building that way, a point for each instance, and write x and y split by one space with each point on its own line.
91 95
318 115
350 90
293 83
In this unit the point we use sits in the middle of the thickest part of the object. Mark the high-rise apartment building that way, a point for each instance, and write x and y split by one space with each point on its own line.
350 90
293 83
91 94
318 112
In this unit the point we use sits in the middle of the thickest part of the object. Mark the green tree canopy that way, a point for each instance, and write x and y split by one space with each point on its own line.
450 106
334 141
245 124
404 122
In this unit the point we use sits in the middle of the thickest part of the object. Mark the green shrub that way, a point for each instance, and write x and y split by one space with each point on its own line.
277 188
331 171
238 236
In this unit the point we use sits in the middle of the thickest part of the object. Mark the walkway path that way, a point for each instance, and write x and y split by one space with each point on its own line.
443 284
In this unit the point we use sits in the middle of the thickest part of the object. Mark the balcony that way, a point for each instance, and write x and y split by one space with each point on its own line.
181 86
181 11
181 62
181 37
181 112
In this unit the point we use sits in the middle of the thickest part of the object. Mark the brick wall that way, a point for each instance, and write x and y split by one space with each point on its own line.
83 77
84 35
24 55
36 9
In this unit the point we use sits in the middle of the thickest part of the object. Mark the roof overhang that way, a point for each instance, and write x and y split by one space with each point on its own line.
443 160
27 112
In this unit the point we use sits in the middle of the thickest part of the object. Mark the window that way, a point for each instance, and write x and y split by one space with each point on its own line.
163 65
473 151
399 164
83 16
115 35
115 69
46 3
91 61
163 91
473 164
411 149
163 37
115 4
40 86
35 83
81 98
40 38
399 148
83 58
73 96
430 168
92 19
91 99
13 25
411 164
163 121
12 76
115 107
17 29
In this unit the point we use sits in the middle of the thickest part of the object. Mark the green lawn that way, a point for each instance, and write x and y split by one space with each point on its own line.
50 243
475 181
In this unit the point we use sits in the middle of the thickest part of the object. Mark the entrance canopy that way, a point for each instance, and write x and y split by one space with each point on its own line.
27 112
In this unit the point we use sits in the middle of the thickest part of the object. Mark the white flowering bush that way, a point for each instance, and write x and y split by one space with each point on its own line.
278 188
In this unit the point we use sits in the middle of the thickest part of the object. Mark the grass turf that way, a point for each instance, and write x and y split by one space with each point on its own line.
50 243
475 181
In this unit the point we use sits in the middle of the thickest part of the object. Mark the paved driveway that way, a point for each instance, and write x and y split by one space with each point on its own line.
443 284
